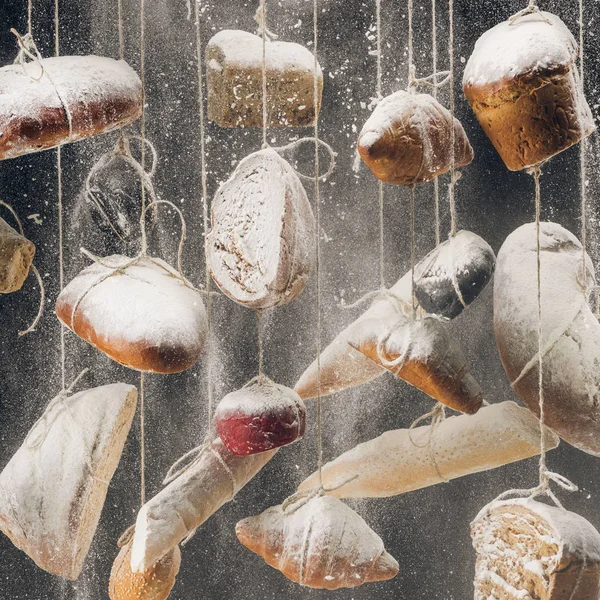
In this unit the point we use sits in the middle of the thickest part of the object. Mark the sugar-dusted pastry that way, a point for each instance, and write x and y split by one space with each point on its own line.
454 274
527 550
155 583
260 248
75 97
189 500
523 85
570 331
261 416
319 543
343 367
421 352
16 257
142 315
407 139
403 460
53 489
234 62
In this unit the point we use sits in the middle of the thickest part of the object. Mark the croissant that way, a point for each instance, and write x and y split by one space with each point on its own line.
16 256
421 353
407 139
320 544
155 583
261 416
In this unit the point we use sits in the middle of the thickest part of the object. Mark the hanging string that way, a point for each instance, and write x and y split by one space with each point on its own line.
318 244
412 251
61 269
29 17
203 178
379 182
582 165
453 175
259 317
142 441
120 28
436 183
263 17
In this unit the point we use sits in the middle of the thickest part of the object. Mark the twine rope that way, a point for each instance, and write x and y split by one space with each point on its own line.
582 147
379 96
453 177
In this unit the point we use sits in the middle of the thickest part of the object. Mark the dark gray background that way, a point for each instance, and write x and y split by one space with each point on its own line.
427 530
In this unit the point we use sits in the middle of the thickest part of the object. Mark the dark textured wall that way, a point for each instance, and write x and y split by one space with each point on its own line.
427 530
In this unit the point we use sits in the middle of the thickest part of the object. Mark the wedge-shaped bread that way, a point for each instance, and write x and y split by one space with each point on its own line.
527 550
16 257
403 460
188 501
143 315
75 97
523 84
408 140
570 331
234 62
53 489
343 367
320 544
155 583
260 249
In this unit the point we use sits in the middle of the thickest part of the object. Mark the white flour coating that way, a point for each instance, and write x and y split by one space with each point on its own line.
534 43
522 545
260 248
392 464
256 399
570 331
146 304
245 50
53 489
323 543
185 503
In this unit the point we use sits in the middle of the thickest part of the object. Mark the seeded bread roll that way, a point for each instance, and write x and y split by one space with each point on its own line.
76 97
523 85
16 257
234 62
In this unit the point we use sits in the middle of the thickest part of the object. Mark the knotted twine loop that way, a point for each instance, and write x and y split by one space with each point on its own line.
532 8
399 304
126 536
432 81
293 145
33 268
262 28
28 50
297 500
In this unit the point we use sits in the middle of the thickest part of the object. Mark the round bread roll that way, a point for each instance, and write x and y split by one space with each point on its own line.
522 83
16 258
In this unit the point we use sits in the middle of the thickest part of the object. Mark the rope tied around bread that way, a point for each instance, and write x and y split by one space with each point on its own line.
33 268
297 500
530 9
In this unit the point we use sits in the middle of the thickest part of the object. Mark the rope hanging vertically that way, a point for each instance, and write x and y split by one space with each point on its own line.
582 148
203 178
436 183
451 186
379 182
30 17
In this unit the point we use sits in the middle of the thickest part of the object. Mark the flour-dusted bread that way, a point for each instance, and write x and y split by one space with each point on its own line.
234 62
320 544
421 352
523 85
185 503
260 248
261 416
343 367
53 489
16 257
77 97
155 583
143 316
527 550
454 274
403 460
570 331
407 139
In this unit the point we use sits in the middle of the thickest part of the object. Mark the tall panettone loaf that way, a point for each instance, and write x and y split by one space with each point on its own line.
523 85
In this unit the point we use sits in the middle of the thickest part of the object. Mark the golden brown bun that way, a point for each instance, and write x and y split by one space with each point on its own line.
154 584
16 256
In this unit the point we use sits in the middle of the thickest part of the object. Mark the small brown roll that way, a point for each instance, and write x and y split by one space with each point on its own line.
16 257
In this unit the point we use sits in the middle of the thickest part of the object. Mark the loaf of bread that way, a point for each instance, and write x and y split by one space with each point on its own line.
407 139
185 503
570 331
16 258
53 489
143 316
319 543
76 97
403 460
527 550
523 85
261 416
343 367
155 583
234 63
420 352
260 248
